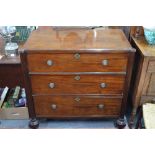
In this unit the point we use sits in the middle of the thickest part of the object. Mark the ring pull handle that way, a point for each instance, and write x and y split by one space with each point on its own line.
54 106
103 85
49 62
51 85
105 62
101 106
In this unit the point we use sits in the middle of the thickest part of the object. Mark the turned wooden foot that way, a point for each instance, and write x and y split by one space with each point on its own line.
34 123
131 122
120 123
139 119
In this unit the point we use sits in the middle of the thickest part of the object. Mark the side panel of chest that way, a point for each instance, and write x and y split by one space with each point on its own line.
149 83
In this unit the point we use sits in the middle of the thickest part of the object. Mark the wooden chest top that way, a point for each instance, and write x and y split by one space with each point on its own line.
146 49
73 39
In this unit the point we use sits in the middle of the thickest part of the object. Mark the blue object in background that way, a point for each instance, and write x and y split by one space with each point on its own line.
150 36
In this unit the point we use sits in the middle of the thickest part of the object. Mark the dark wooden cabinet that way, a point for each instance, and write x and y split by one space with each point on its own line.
11 74
77 73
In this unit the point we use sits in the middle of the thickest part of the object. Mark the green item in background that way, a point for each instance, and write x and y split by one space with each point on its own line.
22 33
6 105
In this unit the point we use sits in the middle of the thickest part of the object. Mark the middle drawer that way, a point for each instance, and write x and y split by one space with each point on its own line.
77 84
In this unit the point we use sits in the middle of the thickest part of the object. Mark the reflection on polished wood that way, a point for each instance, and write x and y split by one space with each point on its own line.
72 39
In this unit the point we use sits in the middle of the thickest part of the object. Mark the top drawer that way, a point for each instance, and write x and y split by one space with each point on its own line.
77 62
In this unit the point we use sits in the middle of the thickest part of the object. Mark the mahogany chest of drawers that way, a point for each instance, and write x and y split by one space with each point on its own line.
77 73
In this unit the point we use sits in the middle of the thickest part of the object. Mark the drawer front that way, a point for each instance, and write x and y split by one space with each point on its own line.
77 84
57 106
77 62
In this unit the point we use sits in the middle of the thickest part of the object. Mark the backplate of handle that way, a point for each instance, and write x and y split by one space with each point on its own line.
77 77
77 56
77 99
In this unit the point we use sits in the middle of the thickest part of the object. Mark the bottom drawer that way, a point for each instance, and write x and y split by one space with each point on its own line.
77 106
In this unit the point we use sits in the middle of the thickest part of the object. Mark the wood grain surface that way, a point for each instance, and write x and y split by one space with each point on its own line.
68 106
86 63
88 84
75 39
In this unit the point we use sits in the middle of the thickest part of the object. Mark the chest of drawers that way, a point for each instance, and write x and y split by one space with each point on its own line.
77 73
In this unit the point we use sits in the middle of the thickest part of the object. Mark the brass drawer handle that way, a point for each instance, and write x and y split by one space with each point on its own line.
54 106
77 56
105 62
77 99
101 106
77 77
103 85
51 85
49 62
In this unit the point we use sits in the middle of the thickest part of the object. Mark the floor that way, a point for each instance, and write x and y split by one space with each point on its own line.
61 124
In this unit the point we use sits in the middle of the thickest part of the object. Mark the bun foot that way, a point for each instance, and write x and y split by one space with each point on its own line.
120 123
131 124
34 123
